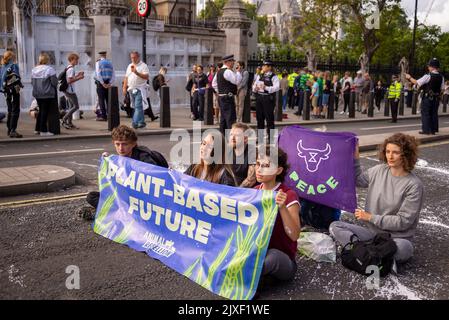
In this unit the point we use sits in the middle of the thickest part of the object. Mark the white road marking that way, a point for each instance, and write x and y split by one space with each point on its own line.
50 153
393 126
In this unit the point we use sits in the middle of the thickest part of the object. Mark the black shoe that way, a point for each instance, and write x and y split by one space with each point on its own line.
87 213
15 134
422 132
297 114
155 118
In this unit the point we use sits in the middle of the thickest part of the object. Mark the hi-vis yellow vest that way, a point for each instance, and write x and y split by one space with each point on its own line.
291 79
394 92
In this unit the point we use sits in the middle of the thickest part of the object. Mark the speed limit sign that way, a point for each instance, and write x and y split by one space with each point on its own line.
143 8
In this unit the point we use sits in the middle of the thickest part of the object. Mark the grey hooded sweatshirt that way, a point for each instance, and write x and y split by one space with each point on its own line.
394 202
44 81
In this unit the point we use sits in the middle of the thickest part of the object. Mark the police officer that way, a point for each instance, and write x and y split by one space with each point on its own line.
225 83
394 94
265 87
432 84
104 79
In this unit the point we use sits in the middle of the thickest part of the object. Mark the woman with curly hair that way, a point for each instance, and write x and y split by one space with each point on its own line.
394 198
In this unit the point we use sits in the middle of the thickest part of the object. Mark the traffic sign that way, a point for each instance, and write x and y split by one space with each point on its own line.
144 8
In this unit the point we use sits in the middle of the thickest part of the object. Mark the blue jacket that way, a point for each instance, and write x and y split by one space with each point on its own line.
4 71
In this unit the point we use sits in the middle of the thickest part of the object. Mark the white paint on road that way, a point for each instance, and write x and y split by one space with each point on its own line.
392 288
84 164
51 153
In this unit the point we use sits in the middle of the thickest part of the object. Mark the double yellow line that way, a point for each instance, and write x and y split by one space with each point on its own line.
39 201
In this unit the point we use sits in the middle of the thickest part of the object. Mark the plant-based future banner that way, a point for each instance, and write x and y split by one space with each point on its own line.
213 234
321 166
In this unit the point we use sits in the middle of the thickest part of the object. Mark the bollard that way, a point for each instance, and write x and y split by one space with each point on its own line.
209 107
352 105
306 106
330 106
414 102
445 99
278 113
370 105
165 116
401 104
387 105
113 108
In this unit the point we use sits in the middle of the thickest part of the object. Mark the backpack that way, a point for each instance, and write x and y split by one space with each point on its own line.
62 80
358 255
318 215
12 81
156 83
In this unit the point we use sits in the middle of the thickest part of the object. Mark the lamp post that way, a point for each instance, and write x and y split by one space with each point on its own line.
412 53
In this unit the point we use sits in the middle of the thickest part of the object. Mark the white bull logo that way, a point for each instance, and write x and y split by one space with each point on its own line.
313 157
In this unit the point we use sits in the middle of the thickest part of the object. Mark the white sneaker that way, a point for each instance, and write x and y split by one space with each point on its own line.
342 112
46 134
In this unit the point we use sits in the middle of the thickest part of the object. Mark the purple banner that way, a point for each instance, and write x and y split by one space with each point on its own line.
321 166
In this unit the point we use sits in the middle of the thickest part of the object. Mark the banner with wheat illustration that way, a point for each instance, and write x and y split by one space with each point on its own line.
215 235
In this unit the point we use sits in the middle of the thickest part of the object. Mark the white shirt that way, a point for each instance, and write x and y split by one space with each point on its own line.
231 76
71 74
426 78
134 81
274 88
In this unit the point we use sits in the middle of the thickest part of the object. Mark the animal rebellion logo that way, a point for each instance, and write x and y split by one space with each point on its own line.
313 157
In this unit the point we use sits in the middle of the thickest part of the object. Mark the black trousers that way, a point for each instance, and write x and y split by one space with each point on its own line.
48 110
198 105
429 114
291 97
394 109
378 101
149 111
103 97
93 198
346 98
300 101
265 112
336 100
409 98
228 115
13 103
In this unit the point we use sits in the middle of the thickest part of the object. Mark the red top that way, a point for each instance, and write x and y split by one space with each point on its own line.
279 239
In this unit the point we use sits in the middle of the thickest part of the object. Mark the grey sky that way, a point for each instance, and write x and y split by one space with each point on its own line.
438 14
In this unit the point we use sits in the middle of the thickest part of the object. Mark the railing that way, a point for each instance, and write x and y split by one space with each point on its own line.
176 21
59 7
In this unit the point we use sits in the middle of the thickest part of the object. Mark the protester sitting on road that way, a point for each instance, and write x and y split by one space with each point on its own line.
280 259
125 142
212 165
243 158
394 198
45 82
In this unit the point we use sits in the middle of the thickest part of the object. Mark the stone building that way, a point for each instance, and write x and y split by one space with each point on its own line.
60 27
280 14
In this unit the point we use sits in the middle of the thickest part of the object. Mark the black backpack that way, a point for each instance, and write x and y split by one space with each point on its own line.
358 255
62 80
156 83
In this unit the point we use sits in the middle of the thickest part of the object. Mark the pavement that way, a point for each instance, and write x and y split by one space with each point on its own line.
180 119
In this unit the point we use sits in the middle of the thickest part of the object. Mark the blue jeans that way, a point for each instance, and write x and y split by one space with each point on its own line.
284 102
138 117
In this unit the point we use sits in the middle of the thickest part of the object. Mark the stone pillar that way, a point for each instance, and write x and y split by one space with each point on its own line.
236 24
110 19
24 11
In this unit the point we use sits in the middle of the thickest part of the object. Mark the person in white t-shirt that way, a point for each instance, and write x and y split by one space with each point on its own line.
137 75
70 93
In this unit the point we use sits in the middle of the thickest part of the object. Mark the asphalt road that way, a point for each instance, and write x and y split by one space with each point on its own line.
38 243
